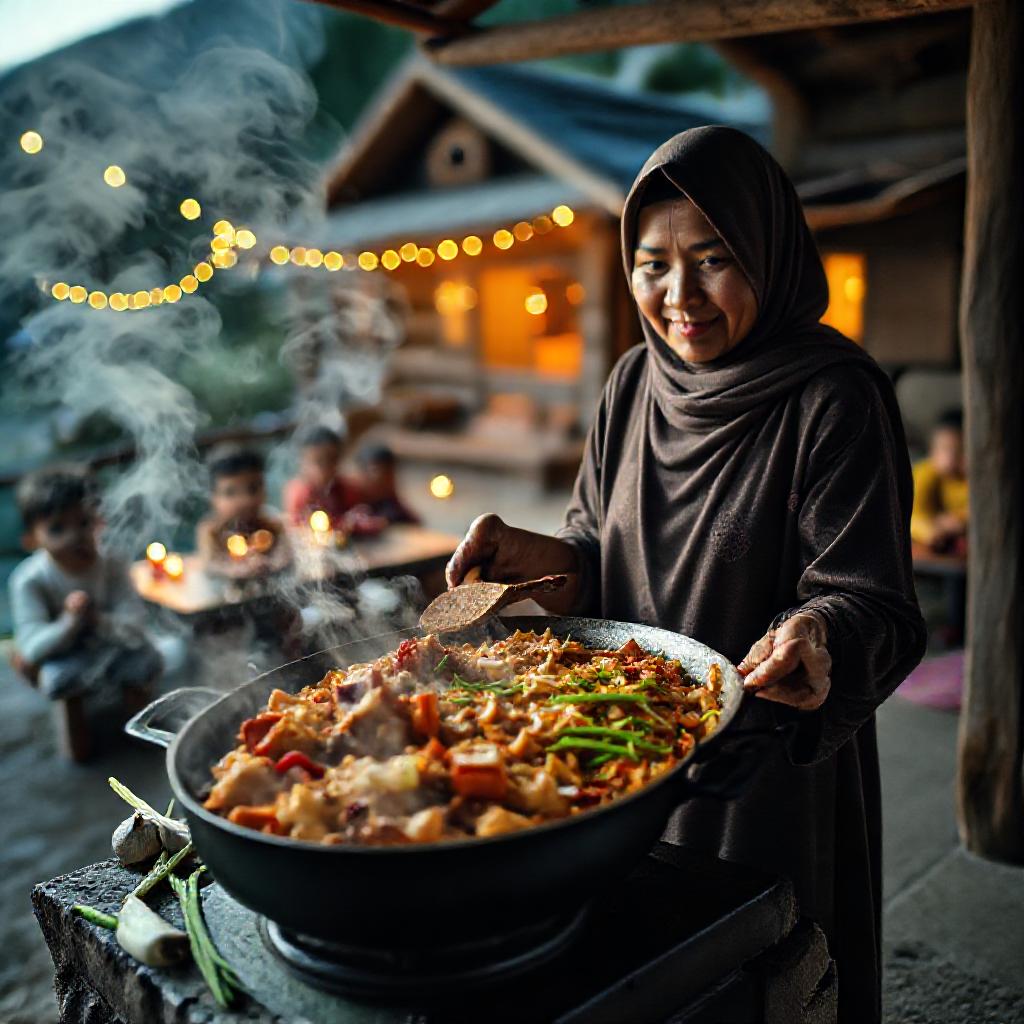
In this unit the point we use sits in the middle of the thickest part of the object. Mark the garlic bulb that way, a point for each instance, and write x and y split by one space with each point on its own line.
136 839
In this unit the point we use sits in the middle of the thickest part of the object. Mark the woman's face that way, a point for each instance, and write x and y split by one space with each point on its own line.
688 285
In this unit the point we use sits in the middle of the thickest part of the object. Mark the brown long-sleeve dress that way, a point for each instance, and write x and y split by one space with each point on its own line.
717 499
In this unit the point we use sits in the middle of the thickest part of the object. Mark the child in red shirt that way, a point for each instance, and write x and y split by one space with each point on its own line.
319 485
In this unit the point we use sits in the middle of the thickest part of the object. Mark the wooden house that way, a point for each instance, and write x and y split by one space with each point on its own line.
490 197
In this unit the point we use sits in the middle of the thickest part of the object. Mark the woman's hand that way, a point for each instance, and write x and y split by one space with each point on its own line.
791 664
506 554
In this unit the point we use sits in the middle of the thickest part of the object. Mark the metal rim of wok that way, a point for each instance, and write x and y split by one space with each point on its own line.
582 629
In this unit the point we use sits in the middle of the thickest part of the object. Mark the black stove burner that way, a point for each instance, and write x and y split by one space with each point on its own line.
396 973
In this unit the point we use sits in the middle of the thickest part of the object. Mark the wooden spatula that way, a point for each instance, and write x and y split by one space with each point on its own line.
471 603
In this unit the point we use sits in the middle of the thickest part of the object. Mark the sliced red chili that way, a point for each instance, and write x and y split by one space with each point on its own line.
405 653
297 759
255 729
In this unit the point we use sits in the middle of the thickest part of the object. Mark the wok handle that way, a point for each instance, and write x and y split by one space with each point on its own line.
161 721
733 762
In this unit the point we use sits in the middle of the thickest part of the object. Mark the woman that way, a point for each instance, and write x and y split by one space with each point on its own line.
746 476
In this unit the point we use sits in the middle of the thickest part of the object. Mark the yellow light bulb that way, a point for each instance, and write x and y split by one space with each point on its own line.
536 303
244 238
562 216
448 249
31 142
298 255
203 271
156 552
174 566
141 299
425 257
542 224
368 260
188 284
172 293
60 291
390 259
523 231
472 246
575 293
442 486
220 244
333 260
408 252
118 302
98 300
114 176
129 300
279 255
238 546
224 227
320 521
225 260
190 209
503 239
77 293
314 257
156 296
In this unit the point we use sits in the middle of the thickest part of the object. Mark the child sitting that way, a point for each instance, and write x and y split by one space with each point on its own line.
241 538
320 485
77 619
380 487
939 518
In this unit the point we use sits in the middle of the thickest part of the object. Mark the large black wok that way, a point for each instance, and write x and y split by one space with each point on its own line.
422 894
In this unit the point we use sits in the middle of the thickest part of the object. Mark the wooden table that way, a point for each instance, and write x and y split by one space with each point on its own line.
400 550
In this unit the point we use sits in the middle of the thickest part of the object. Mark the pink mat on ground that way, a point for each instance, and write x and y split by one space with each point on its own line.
936 683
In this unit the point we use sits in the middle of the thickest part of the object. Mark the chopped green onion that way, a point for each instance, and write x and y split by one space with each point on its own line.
619 734
640 723
441 664
707 714
462 701
600 760
574 743
596 698
161 869
94 916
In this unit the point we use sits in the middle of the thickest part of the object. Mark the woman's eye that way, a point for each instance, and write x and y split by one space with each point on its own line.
713 261
653 266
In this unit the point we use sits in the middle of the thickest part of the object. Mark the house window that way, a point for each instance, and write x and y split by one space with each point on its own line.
847 286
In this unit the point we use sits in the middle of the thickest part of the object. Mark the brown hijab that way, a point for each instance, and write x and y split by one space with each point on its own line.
716 499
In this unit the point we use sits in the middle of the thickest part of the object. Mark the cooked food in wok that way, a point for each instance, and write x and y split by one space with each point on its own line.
434 742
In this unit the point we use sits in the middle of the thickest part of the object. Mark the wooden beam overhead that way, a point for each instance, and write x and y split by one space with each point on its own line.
659 21
402 15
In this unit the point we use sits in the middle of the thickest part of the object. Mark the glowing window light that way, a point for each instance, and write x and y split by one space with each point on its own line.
188 284
368 261
31 142
333 260
314 257
172 293
224 227
503 239
542 224
448 249
190 209
244 238
425 257
408 252
562 216
390 259
114 176
279 255
77 293
472 246
523 231
298 255
536 303
156 296
442 486
98 300
847 288
575 293
237 545
224 260
140 299
220 244
118 302
203 271
60 291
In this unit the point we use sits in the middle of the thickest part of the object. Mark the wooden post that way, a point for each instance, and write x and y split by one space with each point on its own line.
990 794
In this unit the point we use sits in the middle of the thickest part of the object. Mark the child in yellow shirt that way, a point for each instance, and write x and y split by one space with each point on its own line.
939 517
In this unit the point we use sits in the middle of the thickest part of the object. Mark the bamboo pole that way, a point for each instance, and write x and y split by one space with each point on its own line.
990 790
402 15
635 24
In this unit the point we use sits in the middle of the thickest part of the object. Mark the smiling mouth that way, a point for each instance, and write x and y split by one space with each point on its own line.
691 328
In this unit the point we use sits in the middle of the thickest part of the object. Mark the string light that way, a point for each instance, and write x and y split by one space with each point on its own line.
425 257
279 255
536 302
314 257
368 260
188 284
575 293
442 486
523 231
409 251
333 260
298 255
31 142
114 176
156 295
190 209
77 293
390 259
172 293
562 216
203 271
542 224
98 300
504 239
448 249
472 246
60 291
244 238
141 299
118 302
224 228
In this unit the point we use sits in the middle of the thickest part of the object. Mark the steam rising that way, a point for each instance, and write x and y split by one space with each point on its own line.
210 101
